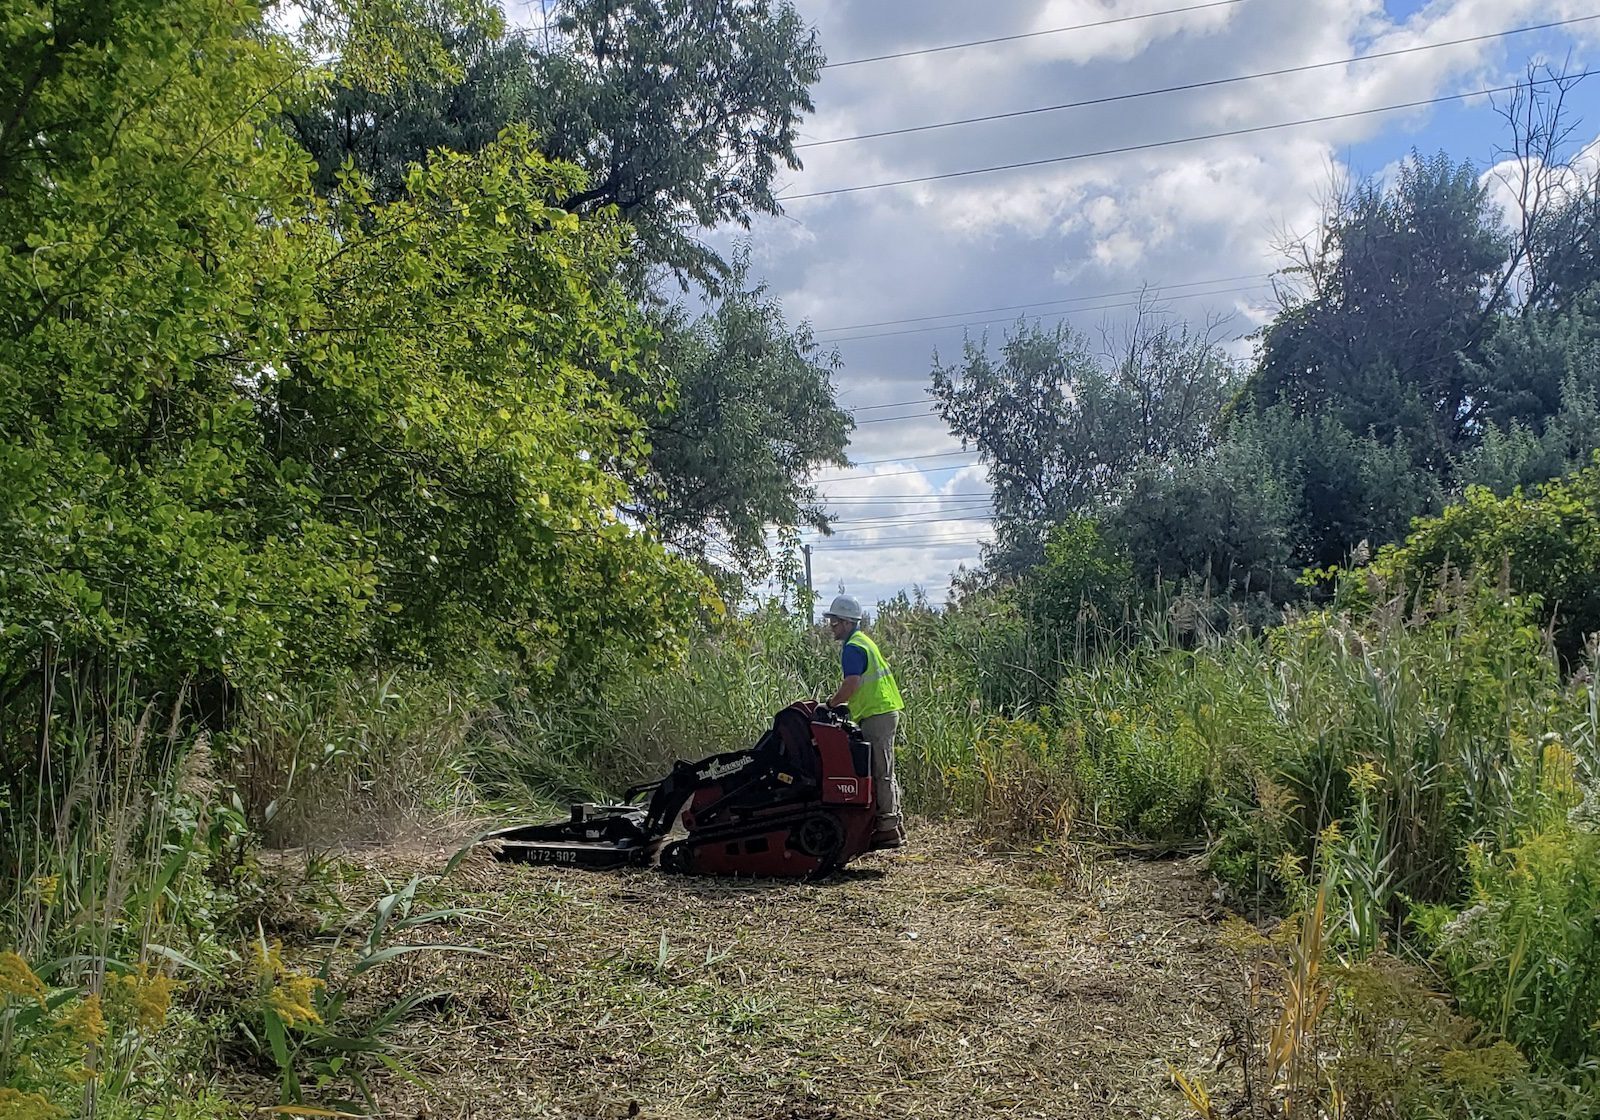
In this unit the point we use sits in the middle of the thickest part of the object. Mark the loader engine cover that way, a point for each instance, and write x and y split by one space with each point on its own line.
798 803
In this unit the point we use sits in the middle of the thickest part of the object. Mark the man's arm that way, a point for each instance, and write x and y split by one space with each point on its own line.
852 667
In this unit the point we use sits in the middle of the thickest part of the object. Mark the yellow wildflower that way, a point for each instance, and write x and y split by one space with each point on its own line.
293 998
267 960
49 887
17 1105
289 993
151 995
1289 868
85 1021
17 979
1364 777
1240 936
1481 1070
80 1075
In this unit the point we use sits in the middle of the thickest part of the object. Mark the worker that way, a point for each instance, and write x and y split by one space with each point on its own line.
874 699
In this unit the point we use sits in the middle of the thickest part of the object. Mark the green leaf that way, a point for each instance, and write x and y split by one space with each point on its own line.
388 954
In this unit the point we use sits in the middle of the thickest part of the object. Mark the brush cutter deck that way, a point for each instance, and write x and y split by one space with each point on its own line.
800 802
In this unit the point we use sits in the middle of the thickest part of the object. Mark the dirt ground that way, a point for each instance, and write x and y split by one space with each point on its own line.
941 981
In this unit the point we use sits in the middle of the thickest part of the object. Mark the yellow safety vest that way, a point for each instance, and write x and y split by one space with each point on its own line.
878 692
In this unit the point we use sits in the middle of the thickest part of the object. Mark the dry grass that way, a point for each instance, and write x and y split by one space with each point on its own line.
945 981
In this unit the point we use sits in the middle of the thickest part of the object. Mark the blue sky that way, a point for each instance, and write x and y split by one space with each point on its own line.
1472 130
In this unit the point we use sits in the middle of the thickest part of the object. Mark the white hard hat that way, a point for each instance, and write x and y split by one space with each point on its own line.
844 606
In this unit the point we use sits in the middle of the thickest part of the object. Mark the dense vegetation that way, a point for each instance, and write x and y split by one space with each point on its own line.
355 469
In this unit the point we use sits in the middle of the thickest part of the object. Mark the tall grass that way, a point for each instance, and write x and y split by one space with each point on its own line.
596 741
1423 769
132 904
358 758
111 841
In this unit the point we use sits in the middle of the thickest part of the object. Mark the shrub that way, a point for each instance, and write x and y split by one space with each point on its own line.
1544 543
1524 956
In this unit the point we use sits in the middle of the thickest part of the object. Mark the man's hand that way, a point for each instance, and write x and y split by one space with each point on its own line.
847 689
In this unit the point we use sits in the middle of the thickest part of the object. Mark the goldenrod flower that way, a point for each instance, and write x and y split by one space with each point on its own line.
1364 777
49 887
1288 868
85 1021
266 960
17 1105
289 993
293 998
17 979
150 994
1240 936
1560 768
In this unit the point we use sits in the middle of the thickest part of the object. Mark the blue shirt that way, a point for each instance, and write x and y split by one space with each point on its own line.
853 660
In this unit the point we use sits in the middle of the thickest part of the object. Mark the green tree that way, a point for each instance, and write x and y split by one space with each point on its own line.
1084 589
463 79
753 417
1347 488
1401 289
1227 517
683 112
1060 427
1521 455
246 432
450 391
1546 541
1535 360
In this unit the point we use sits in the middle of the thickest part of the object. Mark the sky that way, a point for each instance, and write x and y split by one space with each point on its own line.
890 277
1200 224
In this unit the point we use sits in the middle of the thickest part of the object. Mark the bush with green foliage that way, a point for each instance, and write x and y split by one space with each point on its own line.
1081 591
1544 543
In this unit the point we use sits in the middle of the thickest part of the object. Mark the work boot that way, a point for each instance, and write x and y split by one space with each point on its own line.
886 838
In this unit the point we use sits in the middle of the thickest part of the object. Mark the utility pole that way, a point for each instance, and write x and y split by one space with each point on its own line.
811 602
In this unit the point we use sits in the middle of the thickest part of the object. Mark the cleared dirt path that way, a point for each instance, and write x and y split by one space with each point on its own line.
943 981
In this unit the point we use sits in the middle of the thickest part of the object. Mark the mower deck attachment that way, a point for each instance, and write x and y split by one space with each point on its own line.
598 836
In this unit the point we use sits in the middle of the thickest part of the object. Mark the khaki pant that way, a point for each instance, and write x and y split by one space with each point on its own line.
879 731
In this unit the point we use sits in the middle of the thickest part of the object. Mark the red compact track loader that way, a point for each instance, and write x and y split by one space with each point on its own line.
798 803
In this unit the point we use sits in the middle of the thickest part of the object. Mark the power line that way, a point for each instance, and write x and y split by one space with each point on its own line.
1187 86
866 525
892 419
874 508
1184 139
1053 314
953 537
1027 35
885 546
891 404
898 474
899 459
873 534
1043 303
918 497
910 458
